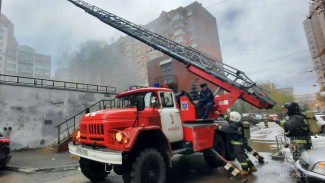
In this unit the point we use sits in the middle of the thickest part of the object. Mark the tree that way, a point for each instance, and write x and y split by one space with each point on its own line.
321 100
194 91
304 108
273 93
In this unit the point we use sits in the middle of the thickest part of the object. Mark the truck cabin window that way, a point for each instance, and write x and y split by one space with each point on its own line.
167 99
129 101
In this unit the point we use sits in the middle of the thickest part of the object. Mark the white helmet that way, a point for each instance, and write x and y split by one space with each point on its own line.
235 116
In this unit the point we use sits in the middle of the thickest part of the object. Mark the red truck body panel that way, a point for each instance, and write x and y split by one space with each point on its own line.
201 135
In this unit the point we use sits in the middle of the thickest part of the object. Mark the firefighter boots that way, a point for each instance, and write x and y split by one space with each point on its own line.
252 169
244 172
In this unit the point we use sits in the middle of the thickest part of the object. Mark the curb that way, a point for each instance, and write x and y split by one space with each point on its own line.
35 170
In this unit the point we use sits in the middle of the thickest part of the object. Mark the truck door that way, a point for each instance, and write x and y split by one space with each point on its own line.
170 117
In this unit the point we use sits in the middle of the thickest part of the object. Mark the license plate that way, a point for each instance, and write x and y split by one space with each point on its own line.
82 152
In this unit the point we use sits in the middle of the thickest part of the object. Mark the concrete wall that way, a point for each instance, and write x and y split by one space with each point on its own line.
33 113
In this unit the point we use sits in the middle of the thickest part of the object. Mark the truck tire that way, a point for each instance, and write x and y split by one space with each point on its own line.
210 158
149 167
93 170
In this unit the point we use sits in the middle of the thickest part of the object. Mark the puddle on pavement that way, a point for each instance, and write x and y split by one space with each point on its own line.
263 145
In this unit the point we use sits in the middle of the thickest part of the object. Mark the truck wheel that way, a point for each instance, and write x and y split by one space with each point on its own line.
93 170
210 158
149 167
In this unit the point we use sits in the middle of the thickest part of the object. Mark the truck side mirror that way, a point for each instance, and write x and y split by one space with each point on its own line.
140 103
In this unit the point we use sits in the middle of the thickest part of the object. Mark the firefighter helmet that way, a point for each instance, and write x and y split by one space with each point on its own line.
293 108
235 116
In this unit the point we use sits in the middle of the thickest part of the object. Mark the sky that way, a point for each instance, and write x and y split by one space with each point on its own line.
263 38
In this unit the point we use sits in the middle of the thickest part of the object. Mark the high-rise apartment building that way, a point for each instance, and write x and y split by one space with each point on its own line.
314 27
8 47
42 66
191 26
20 60
25 61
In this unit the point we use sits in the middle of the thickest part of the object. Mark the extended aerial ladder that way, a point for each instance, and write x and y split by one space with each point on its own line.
226 77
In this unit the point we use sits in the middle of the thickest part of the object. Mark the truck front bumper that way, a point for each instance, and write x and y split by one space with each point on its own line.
103 155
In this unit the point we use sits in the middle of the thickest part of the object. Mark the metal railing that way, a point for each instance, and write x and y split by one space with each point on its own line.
54 84
65 129
281 142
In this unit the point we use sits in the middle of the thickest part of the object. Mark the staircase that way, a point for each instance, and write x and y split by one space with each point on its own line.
66 128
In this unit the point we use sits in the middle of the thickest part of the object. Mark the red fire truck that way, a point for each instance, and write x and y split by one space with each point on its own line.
147 126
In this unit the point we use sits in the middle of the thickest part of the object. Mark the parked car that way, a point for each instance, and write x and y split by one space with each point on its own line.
311 166
273 117
5 155
321 122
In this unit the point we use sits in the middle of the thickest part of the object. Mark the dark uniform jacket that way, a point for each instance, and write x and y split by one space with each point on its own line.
233 129
206 96
296 126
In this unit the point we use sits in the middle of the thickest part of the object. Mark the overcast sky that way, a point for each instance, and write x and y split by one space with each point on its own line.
263 38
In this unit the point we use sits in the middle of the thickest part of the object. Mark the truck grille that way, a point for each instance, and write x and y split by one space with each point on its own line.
96 129
92 131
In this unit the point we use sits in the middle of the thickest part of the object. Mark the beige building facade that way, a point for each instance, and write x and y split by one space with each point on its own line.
314 27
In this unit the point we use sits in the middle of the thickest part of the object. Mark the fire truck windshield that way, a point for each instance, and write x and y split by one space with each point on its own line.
130 100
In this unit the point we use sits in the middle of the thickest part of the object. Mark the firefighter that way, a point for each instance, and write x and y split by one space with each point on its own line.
296 127
235 131
206 99
265 120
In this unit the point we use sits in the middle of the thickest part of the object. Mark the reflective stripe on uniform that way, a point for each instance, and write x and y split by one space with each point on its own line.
236 143
304 128
244 164
301 141
282 122
219 127
247 159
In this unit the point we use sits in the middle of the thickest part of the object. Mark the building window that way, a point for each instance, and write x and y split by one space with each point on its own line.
176 25
179 39
189 12
166 70
178 32
175 17
190 20
47 122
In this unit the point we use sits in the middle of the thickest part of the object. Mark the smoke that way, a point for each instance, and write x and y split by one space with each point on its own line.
97 63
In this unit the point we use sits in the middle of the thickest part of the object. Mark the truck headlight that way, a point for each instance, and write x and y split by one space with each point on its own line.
118 136
319 168
76 135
